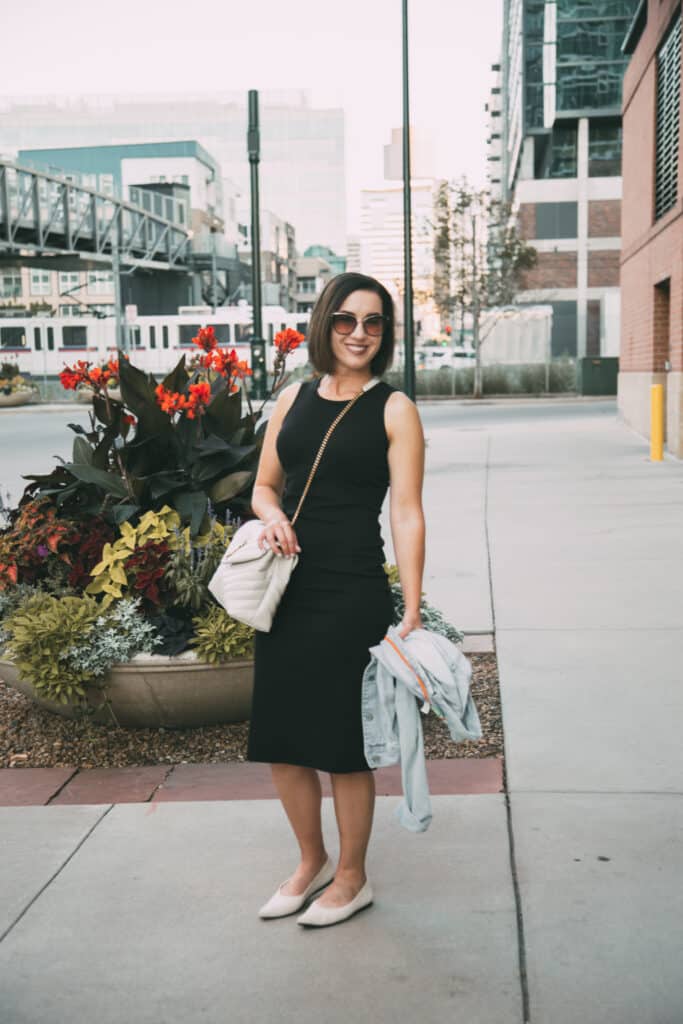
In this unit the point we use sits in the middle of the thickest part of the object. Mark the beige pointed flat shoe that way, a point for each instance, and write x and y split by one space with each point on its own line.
317 915
281 904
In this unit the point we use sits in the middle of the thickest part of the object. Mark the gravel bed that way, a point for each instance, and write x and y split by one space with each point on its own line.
31 737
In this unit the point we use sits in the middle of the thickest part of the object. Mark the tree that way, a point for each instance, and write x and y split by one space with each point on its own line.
479 258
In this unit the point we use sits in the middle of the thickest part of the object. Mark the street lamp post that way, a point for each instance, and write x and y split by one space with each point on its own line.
258 345
408 326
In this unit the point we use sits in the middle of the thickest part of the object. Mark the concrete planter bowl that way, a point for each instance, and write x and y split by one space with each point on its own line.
85 394
152 691
22 397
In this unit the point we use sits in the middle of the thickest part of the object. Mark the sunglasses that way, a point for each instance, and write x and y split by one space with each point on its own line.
345 323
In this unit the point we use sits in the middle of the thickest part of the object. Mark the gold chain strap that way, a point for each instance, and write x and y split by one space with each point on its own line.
320 453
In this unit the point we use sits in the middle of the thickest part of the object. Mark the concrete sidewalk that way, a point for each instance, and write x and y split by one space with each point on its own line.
559 902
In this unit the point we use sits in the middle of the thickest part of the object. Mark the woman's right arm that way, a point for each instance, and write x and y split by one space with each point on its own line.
270 481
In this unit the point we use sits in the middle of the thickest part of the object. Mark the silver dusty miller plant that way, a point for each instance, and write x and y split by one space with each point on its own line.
119 634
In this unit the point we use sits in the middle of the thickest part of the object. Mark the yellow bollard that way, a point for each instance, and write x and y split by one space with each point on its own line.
656 422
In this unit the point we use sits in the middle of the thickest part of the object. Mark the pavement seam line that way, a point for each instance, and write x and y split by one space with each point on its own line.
63 785
521 943
59 870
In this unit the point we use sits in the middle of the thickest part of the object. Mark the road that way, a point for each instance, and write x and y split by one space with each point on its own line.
30 438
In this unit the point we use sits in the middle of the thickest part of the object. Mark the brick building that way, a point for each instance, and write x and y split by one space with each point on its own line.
652 231
562 70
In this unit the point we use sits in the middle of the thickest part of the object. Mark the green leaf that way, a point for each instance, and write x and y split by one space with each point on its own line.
82 452
222 416
120 513
191 505
107 481
178 378
228 486
137 390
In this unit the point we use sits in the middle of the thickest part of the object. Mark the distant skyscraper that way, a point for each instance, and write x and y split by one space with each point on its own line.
302 174
562 70
421 155
381 234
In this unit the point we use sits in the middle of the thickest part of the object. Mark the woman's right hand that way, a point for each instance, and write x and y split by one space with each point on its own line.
280 535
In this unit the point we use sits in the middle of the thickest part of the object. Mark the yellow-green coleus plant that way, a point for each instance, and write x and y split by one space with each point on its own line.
109 575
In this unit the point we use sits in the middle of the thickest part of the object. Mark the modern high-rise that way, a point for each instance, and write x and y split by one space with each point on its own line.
561 86
302 174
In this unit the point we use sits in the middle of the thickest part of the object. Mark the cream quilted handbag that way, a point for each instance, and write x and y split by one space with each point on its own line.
250 580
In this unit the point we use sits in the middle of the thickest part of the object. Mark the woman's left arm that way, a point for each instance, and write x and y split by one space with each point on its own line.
406 458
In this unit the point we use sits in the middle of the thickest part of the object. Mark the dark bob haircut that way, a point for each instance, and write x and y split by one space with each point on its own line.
329 301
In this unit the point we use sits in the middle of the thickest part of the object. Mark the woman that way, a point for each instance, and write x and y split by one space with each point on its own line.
306 709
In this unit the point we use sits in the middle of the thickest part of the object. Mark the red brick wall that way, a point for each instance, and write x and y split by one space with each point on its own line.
553 270
604 218
603 268
642 344
651 251
526 220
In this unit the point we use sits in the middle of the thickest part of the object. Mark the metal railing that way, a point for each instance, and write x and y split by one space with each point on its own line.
43 213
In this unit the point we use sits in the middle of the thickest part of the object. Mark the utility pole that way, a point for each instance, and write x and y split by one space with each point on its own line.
475 311
121 337
258 345
408 326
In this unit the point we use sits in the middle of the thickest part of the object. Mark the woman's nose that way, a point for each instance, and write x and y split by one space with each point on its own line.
359 330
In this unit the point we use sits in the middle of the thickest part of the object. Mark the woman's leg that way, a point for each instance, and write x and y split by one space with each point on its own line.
301 796
354 804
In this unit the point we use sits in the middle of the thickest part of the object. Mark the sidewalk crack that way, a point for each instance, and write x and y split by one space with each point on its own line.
51 879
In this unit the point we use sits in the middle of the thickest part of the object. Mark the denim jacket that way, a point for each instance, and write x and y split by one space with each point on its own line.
427 666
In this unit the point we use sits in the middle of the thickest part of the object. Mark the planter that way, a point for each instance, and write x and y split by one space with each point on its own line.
85 395
23 397
152 691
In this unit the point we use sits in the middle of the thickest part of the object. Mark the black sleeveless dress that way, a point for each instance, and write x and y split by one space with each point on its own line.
306 705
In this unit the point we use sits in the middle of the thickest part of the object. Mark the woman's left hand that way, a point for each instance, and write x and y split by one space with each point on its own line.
409 622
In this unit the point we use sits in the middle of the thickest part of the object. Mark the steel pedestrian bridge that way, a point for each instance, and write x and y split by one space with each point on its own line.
42 215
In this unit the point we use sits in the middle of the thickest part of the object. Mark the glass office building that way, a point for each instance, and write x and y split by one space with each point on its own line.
562 85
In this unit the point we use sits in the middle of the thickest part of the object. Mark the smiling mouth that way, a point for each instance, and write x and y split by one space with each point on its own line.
356 348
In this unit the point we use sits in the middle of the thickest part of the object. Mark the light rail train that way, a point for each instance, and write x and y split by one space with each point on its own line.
41 346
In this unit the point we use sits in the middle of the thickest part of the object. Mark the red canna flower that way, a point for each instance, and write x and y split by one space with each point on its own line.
289 339
206 339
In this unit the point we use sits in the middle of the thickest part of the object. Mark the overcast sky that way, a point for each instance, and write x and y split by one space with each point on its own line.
347 54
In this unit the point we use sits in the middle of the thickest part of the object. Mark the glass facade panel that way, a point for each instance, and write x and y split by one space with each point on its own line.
534 11
604 149
556 220
562 159
589 64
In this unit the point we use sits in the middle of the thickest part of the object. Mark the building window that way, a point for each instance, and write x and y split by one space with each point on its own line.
68 280
10 284
668 109
604 150
107 184
556 220
561 154
100 282
40 282
563 338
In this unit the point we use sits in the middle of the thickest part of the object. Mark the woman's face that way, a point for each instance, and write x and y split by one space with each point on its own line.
356 351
